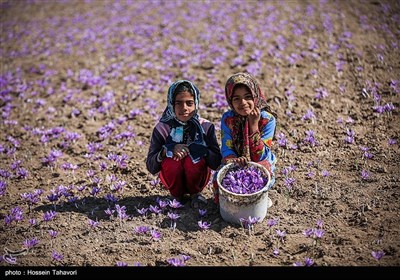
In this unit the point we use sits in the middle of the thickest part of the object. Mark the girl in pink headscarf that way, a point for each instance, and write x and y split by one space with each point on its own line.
248 127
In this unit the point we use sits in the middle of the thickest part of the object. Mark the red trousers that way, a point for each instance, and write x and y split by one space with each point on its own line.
183 176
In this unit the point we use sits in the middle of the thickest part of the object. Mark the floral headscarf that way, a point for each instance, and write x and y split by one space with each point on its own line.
249 81
193 126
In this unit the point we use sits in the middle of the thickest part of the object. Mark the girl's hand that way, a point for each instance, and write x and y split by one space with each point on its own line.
242 161
180 152
254 118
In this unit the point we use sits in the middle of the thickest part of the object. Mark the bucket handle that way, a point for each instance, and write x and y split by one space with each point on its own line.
268 186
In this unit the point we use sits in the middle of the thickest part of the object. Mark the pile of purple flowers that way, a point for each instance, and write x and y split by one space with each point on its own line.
244 180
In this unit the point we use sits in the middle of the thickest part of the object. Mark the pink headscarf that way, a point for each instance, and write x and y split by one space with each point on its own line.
249 81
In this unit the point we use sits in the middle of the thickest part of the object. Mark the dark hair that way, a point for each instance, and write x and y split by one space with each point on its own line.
183 87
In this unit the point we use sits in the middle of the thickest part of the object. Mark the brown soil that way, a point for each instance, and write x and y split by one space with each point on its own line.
106 59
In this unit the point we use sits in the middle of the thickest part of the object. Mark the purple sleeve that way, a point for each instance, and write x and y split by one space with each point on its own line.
156 145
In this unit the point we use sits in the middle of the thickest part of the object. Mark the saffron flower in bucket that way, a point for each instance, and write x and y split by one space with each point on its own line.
246 180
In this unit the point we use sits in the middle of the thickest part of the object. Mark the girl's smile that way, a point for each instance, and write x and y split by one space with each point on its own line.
242 100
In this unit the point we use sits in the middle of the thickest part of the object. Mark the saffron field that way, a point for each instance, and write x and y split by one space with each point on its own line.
83 83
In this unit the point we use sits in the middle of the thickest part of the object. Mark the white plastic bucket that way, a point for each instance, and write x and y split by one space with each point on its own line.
234 206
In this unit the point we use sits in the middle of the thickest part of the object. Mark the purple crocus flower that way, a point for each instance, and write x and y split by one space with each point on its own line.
378 255
93 147
103 166
3 186
248 223
176 262
141 229
175 204
308 232
318 233
53 233
81 188
350 136
155 235
142 211
308 261
17 214
31 198
90 173
275 252
93 224
281 235
364 174
57 256
29 243
119 263
10 259
163 203
282 140
49 215
310 174
16 164
109 212
155 209
185 257
321 93
117 186
309 115
95 190
320 224
272 222
53 197
173 216
310 138
69 166
135 112
32 222
110 198
289 182
4 173
204 225
155 182
121 212
313 72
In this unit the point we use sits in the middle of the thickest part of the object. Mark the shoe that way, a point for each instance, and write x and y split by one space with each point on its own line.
198 200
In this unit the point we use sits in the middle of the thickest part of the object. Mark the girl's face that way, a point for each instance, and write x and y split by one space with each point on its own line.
184 106
242 100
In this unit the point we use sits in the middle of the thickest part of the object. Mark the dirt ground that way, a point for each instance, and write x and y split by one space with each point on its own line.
84 82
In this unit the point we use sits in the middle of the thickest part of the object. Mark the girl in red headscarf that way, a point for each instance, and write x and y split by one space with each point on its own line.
248 127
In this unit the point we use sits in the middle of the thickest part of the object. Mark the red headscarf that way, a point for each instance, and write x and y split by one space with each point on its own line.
249 81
